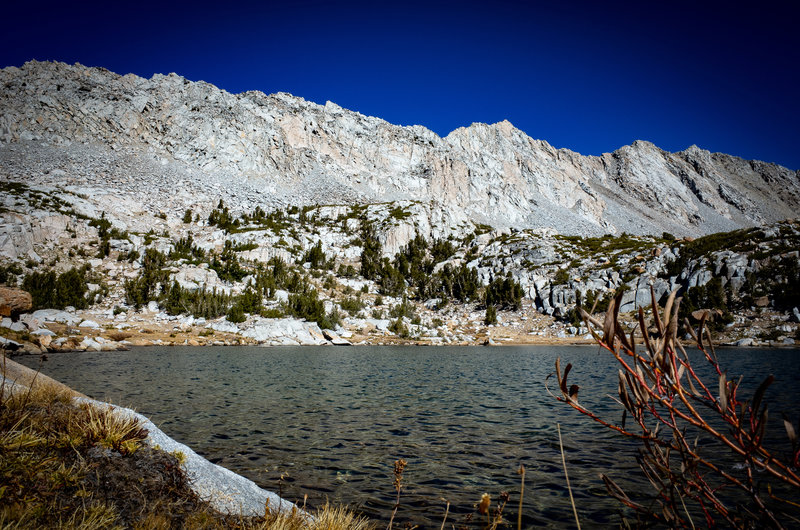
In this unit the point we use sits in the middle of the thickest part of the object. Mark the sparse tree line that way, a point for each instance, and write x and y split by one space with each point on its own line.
413 273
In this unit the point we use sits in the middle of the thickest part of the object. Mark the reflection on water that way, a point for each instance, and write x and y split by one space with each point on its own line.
333 420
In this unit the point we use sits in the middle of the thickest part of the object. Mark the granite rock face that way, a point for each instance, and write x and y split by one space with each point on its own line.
191 142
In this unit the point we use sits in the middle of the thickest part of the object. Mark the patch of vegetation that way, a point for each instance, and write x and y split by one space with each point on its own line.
37 199
607 244
399 213
414 267
399 328
371 253
50 290
598 303
743 240
227 264
592 303
712 295
561 277
199 303
352 305
306 304
491 315
185 249
244 247
347 271
9 273
455 283
779 278
317 258
222 218
504 293
403 309
481 229
151 282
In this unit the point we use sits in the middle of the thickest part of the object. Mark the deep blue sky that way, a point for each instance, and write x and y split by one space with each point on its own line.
589 76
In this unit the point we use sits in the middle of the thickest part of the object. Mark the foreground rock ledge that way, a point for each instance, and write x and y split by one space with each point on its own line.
225 491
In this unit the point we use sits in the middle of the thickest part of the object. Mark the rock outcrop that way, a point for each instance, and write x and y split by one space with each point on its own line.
14 301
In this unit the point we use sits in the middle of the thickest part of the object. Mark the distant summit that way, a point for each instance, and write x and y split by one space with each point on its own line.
273 150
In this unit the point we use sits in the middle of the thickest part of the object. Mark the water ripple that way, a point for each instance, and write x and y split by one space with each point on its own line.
335 419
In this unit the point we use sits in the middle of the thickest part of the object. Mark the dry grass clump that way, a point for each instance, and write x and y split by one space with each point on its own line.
329 517
72 466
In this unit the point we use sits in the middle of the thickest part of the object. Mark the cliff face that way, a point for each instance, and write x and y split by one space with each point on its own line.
278 149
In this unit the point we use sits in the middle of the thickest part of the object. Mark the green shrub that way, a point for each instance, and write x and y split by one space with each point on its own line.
505 293
104 249
185 248
398 328
461 284
403 309
103 226
250 300
57 291
491 315
712 295
221 217
200 303
236 313
371 253
316 256
227 264
307 305
151 281
347 271
352 305
399 213
778 277
9 273
391 281
561 277
602 301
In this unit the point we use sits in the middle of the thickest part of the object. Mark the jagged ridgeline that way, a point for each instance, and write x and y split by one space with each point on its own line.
178 196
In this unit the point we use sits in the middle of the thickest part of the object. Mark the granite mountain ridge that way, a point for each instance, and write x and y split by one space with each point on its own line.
273 150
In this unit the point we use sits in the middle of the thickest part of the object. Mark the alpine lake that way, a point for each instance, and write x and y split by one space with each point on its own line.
329 422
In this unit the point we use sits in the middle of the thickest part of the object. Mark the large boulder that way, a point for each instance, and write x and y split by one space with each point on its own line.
285 331
54 315
14 301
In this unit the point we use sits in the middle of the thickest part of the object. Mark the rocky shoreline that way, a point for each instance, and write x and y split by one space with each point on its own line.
224 490
48 331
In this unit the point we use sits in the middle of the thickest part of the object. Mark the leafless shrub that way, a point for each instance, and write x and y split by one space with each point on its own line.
669 408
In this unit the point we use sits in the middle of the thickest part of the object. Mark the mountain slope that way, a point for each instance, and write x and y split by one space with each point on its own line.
279 149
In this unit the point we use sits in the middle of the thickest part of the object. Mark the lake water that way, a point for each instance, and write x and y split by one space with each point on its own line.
333 420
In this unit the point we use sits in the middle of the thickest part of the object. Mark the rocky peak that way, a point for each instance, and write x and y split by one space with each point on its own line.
295 151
